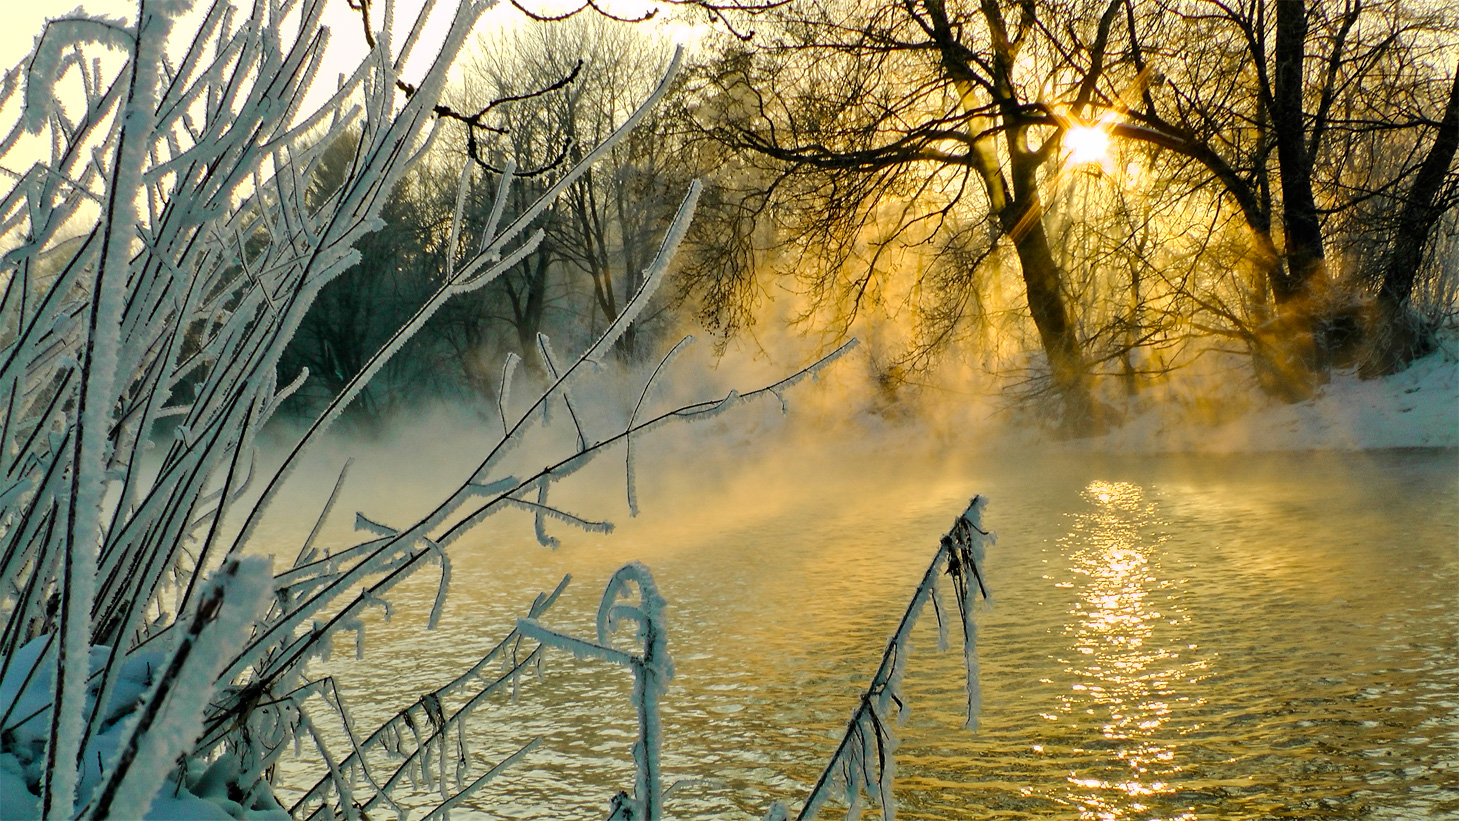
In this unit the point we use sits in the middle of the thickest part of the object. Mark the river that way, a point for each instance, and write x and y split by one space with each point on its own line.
1232 637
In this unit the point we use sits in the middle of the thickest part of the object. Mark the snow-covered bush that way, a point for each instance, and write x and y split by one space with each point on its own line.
156 261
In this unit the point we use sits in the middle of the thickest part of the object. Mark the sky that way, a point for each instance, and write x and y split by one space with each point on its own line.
23 18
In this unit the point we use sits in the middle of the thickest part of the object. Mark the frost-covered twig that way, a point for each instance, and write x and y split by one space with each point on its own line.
413 765
864 761
651 667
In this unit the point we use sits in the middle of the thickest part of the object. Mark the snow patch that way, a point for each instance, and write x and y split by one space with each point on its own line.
1416 408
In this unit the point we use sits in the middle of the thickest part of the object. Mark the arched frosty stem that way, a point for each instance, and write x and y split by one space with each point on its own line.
651 667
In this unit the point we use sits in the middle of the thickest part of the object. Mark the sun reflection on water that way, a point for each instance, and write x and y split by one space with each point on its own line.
1121 674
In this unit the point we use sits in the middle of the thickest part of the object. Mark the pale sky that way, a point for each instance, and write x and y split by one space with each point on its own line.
23 19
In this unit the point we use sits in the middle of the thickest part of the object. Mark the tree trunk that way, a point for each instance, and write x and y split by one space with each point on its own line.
1022 220
529 305
1020 209
1397 337
1298 286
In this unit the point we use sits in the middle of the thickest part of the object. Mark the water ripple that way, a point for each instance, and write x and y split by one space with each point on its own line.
1255 637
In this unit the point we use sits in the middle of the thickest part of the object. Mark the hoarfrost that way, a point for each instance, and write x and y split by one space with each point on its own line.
864 761
171 721
170 316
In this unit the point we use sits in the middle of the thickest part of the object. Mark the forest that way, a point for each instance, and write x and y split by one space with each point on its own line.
236 235
1084 199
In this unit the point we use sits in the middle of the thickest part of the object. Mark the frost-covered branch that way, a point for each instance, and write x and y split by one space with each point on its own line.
651 667
863 761
156 262
390 738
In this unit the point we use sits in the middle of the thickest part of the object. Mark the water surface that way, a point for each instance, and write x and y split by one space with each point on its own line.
1172 637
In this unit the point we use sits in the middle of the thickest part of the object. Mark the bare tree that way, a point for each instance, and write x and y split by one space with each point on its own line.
1324 128
1289 106
602 232
1398 336
937 121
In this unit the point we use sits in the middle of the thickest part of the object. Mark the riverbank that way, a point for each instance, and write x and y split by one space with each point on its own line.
1418 408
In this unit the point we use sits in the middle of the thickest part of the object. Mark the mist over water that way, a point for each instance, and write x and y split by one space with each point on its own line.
1173 637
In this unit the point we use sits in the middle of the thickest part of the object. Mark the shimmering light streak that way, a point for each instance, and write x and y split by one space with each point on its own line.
1120 673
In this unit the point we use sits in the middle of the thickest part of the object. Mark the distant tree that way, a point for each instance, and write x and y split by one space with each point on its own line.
601 235
1298 111
354 315
892 123
612 214
1331 129
512 311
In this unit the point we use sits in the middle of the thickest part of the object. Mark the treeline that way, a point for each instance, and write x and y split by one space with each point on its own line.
541 99
1084 195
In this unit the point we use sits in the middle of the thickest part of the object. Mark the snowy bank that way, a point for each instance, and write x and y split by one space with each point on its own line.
1417 408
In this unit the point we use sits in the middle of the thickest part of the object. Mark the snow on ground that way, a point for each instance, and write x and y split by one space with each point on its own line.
1418 408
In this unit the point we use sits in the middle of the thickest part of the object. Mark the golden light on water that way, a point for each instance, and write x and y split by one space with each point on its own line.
1120 674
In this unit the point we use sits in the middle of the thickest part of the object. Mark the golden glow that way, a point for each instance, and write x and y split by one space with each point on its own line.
1086 144
1120 670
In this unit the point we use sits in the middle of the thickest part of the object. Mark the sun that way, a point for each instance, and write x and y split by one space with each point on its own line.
1086 145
